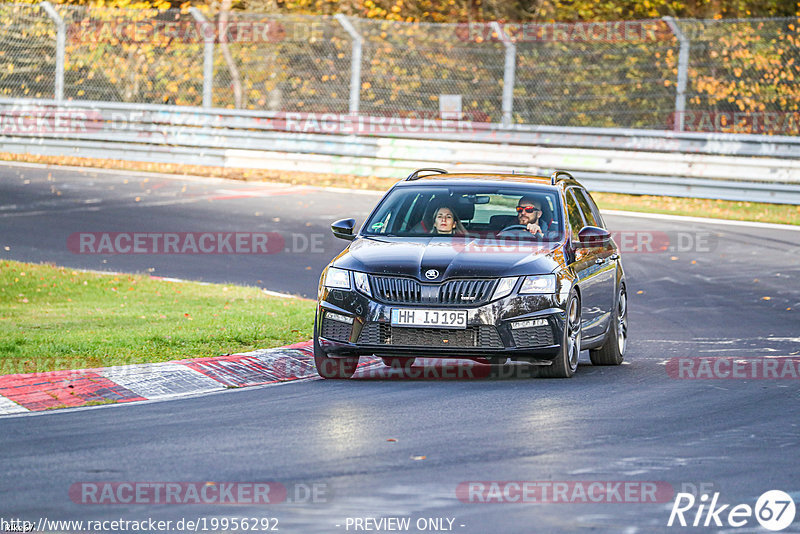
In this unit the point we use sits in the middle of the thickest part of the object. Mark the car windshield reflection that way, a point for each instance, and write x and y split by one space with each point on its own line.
501 213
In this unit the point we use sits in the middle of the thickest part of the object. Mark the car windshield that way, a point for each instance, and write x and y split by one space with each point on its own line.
503 211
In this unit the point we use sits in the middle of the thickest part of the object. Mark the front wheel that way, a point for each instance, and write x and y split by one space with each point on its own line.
566 363
332 368
613 350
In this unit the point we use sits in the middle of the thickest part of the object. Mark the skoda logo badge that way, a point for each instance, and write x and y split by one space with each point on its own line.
430 274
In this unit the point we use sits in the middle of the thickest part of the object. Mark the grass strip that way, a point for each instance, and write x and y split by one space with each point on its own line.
701 207
54 318
696 207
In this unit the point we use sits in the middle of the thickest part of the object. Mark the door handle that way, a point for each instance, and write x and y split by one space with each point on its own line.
600 261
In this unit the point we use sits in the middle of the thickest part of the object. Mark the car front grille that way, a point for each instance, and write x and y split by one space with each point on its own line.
466 292
478 336
537 336
335 330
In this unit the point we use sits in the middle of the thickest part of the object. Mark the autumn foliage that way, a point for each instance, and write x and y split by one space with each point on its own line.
294 56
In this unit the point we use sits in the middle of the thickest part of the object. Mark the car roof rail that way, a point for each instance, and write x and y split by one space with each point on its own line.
557 174
415 175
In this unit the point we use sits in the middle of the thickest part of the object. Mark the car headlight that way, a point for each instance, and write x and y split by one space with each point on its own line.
362 283
337 278
538 284
505 287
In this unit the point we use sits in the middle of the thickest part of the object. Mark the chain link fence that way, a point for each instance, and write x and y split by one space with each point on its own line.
285 63
602 75
744 76
118 55
27 52
407 67
738 76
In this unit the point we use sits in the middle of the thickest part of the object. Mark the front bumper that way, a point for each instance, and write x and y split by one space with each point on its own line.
489 332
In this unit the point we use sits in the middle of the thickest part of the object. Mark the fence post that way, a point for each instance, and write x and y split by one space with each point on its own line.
683 68
355 63
208 55
61 44
509 73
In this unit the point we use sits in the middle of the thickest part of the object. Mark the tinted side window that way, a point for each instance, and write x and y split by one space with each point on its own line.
588 215
574 214
594 209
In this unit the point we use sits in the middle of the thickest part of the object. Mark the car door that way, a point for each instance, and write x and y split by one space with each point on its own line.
606 257
594 271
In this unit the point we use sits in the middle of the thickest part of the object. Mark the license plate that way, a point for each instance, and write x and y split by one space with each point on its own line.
435 318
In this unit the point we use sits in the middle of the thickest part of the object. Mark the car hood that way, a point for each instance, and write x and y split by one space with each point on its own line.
459 257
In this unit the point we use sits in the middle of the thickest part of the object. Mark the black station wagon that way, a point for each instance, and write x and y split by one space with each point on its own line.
489 267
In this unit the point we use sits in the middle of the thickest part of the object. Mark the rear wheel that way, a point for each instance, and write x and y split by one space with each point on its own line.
566 363
399 362
613 350
333 368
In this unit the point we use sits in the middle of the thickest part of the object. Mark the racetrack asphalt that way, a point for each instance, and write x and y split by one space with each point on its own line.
706 298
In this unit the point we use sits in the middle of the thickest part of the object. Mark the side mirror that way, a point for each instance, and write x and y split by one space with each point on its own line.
593 237
343 229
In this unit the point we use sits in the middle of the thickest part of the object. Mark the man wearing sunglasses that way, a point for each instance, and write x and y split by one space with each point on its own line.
529 212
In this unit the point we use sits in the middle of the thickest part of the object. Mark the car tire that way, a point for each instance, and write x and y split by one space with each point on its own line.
399 362
613 350
332 368
566 363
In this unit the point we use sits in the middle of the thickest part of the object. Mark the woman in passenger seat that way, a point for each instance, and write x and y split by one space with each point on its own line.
445 221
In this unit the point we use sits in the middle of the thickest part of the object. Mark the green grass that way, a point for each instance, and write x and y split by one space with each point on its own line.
58 318
701 207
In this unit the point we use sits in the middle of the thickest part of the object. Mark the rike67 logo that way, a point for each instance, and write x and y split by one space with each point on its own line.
774 510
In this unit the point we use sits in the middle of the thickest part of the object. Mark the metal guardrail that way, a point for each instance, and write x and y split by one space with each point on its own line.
725 166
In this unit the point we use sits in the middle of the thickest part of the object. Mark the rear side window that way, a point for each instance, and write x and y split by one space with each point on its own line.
574 214
586 210
593 209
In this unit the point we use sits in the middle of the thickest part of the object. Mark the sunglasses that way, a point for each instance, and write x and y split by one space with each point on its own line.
527 209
